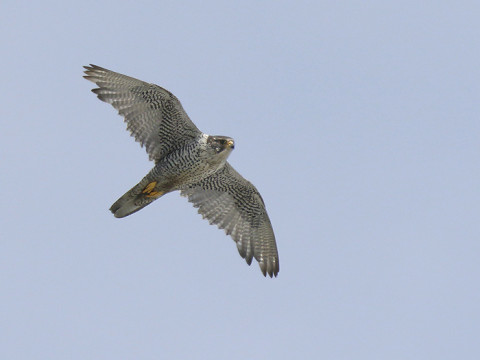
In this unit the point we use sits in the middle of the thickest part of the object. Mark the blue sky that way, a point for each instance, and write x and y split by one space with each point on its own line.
358 121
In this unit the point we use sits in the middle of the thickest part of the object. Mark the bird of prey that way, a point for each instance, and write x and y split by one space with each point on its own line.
190 161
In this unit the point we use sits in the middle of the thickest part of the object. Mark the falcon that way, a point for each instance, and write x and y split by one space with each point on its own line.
189 161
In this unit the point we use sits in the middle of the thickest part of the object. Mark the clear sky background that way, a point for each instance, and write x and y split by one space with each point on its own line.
358 121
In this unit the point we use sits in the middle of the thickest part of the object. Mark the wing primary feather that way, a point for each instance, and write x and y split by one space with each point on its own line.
232 203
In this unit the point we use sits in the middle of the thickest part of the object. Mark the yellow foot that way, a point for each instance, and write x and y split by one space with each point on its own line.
148 189
155 194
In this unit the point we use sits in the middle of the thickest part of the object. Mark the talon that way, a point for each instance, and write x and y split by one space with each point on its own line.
154 194
149 188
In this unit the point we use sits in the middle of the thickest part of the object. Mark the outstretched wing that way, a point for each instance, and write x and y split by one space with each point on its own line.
154 116
232 203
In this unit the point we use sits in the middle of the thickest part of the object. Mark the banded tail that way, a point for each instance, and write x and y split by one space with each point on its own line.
136 198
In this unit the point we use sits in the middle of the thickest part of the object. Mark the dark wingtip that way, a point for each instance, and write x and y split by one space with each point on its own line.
89 72
270 267
264 272
92 70
89 68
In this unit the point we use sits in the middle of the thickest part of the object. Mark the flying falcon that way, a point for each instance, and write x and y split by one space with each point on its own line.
190 161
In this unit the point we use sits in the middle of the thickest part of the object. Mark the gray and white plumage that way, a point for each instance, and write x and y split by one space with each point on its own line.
189 161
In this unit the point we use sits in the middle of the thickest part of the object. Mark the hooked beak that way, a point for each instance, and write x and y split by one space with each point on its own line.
231 144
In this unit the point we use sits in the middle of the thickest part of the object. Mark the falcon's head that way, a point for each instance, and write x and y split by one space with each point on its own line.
220 144
218 148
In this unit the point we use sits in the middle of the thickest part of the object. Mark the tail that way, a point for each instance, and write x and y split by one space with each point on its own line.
136 198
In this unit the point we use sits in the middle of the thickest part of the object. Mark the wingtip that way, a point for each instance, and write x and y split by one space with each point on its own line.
88 68
271 268
91 70
91 67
